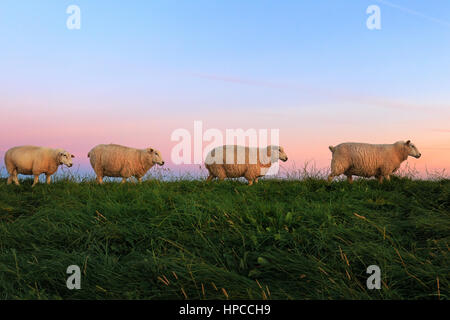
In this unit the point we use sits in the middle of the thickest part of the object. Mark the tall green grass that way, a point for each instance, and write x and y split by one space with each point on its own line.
279 239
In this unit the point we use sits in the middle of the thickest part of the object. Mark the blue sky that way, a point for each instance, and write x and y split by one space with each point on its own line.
322 43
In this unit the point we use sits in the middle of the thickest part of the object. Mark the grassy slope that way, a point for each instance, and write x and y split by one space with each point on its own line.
278 239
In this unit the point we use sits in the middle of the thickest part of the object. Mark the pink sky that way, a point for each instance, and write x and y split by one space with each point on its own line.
305 133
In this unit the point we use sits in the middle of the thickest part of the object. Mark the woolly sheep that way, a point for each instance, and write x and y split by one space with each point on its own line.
238 161
32 160
370 160
114 160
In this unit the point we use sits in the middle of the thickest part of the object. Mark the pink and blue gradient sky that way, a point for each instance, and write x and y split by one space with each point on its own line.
137 71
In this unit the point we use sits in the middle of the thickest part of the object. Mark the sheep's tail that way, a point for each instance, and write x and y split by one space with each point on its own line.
332 149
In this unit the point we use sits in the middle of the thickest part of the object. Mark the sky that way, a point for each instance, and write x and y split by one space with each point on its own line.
136 71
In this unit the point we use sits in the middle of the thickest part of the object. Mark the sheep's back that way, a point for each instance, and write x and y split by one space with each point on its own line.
230 155
25 158
364 159
115 158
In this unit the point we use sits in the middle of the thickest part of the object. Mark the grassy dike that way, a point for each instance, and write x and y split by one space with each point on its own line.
188 239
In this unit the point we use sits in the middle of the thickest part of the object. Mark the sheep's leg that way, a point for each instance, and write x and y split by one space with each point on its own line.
380 179
15 178
210 177
333 171
350 178
139 179
123 180
256 180
48 178
249 176
387 177
99 179
36 180
337 169
221 175
11 171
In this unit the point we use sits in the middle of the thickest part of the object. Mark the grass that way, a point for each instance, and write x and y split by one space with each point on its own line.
280 239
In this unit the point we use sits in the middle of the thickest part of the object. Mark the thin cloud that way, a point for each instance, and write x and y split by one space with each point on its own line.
441 130
416 13
435 147
243 81
330 93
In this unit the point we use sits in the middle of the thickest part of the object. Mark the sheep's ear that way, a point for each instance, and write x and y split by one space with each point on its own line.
408 142
72 156
150 150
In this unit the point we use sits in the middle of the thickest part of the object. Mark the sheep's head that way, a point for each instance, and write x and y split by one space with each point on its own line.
412 149
282 155
156 156
65 158
278 153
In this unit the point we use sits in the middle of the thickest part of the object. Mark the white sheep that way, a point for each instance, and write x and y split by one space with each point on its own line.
370 160
231 161
112 160
32 160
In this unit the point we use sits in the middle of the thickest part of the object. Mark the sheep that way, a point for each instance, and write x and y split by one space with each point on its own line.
238 161
32 160
114 160
370 160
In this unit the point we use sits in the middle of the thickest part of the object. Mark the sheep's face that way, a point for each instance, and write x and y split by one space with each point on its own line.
278 153
412 150
156 156
66 158
282 155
